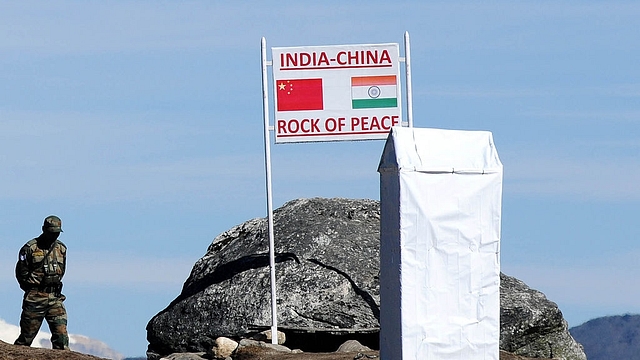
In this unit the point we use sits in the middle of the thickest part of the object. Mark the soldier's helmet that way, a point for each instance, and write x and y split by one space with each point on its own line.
53 224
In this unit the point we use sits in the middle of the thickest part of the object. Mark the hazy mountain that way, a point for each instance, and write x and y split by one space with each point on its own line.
78 343
611 337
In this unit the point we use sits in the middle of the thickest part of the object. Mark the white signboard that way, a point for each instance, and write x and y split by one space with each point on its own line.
331 93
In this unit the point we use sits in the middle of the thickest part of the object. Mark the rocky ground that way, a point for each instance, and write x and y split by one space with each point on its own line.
263 354
13 352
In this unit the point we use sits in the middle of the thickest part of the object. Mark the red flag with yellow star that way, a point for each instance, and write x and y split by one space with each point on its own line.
299 94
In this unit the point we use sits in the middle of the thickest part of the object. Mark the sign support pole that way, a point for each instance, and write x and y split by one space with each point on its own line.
407 65
267 165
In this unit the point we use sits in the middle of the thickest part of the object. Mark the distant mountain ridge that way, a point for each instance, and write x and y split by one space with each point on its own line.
610 337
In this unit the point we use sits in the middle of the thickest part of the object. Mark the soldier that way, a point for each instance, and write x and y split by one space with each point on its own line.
40 268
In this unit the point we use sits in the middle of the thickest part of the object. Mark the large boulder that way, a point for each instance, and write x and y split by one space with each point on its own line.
532 325
327 255
326 275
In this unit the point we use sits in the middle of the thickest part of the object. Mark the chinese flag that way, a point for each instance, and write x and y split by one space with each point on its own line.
299 94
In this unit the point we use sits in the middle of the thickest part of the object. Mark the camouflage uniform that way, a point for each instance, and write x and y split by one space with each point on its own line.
39 271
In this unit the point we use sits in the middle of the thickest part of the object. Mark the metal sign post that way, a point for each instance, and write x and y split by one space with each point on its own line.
330 93
407 67
267 165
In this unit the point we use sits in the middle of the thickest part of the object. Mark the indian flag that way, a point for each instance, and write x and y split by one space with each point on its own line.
374 92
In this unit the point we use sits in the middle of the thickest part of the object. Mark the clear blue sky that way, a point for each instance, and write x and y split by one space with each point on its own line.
139 123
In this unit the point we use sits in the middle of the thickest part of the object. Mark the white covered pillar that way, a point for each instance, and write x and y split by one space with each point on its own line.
441 196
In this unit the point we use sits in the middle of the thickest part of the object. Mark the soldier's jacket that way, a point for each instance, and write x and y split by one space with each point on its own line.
38 268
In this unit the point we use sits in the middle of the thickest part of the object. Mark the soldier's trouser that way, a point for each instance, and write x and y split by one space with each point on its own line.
37 306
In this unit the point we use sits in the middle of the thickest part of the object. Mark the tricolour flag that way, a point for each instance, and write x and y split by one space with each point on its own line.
373 92
299 94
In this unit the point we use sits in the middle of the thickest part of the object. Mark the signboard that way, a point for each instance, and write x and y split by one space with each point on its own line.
333 93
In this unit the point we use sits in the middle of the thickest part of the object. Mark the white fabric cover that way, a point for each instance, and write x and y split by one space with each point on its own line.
441 195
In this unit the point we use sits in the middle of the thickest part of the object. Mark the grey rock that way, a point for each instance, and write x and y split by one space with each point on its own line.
266 337
185 356
327 281
533 326
151 355
261 344
327 268
352 346
223 348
